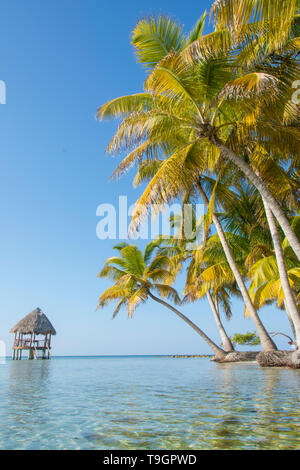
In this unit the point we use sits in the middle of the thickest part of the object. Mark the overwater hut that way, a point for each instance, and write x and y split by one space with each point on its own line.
28 334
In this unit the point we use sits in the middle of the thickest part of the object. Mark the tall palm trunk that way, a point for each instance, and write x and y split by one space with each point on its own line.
290 320
290 301
220 353
266 341
226 342
264 191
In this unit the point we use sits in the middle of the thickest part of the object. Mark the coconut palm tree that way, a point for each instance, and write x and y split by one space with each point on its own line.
256 97
176 173
267 281
286 281
153 38
249 92
251 216
138 276
264 34
180 251
196 288
173 79
273 23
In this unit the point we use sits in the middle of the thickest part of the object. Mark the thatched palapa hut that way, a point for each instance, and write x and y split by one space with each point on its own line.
34 324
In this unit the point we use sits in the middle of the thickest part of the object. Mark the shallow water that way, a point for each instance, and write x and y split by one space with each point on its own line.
147 403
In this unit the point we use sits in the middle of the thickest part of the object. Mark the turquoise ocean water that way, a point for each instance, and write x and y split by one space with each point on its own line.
147 403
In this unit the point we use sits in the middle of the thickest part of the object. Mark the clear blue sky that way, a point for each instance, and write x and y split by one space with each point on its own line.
61 59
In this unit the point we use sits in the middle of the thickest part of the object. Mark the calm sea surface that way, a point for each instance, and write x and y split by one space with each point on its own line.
147 403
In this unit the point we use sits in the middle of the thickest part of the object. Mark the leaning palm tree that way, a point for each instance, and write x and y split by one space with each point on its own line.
265 273
185 109
263 36
252 218
286 282
228 112
210 274
196 289
180 251
220 94
138 276
154 39
154 131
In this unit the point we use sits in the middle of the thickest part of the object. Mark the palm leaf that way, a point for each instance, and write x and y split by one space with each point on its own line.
168 292
135 300
134 260
120 107
197 30
153 38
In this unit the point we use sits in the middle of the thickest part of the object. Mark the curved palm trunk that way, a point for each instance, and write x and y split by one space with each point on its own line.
218 351
266 341
290 302
264 191
226 342
290 320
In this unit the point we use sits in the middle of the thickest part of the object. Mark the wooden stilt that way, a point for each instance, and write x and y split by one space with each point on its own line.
27 342
49 345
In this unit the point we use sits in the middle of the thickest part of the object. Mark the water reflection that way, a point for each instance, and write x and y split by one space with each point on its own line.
26 400
273 400
143 403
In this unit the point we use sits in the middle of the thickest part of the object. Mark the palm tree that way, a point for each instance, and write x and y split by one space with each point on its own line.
272 22
256 222
266 341
240 99
214 300
173 77
136 277
267 279
154 39
264 34
289 296
176 173
196 288
180 250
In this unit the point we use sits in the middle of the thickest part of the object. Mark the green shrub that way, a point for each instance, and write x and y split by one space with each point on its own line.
248 339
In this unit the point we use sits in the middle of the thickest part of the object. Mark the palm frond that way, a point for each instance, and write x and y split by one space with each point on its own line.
139 296
175 78
149 250
252 85
163 187
120 107
168 292
134 260
146 171
197 30
153 38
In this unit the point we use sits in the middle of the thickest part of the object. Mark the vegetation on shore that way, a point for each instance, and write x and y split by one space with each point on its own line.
217 122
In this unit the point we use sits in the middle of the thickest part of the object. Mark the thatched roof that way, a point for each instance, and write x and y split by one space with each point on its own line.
35 322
